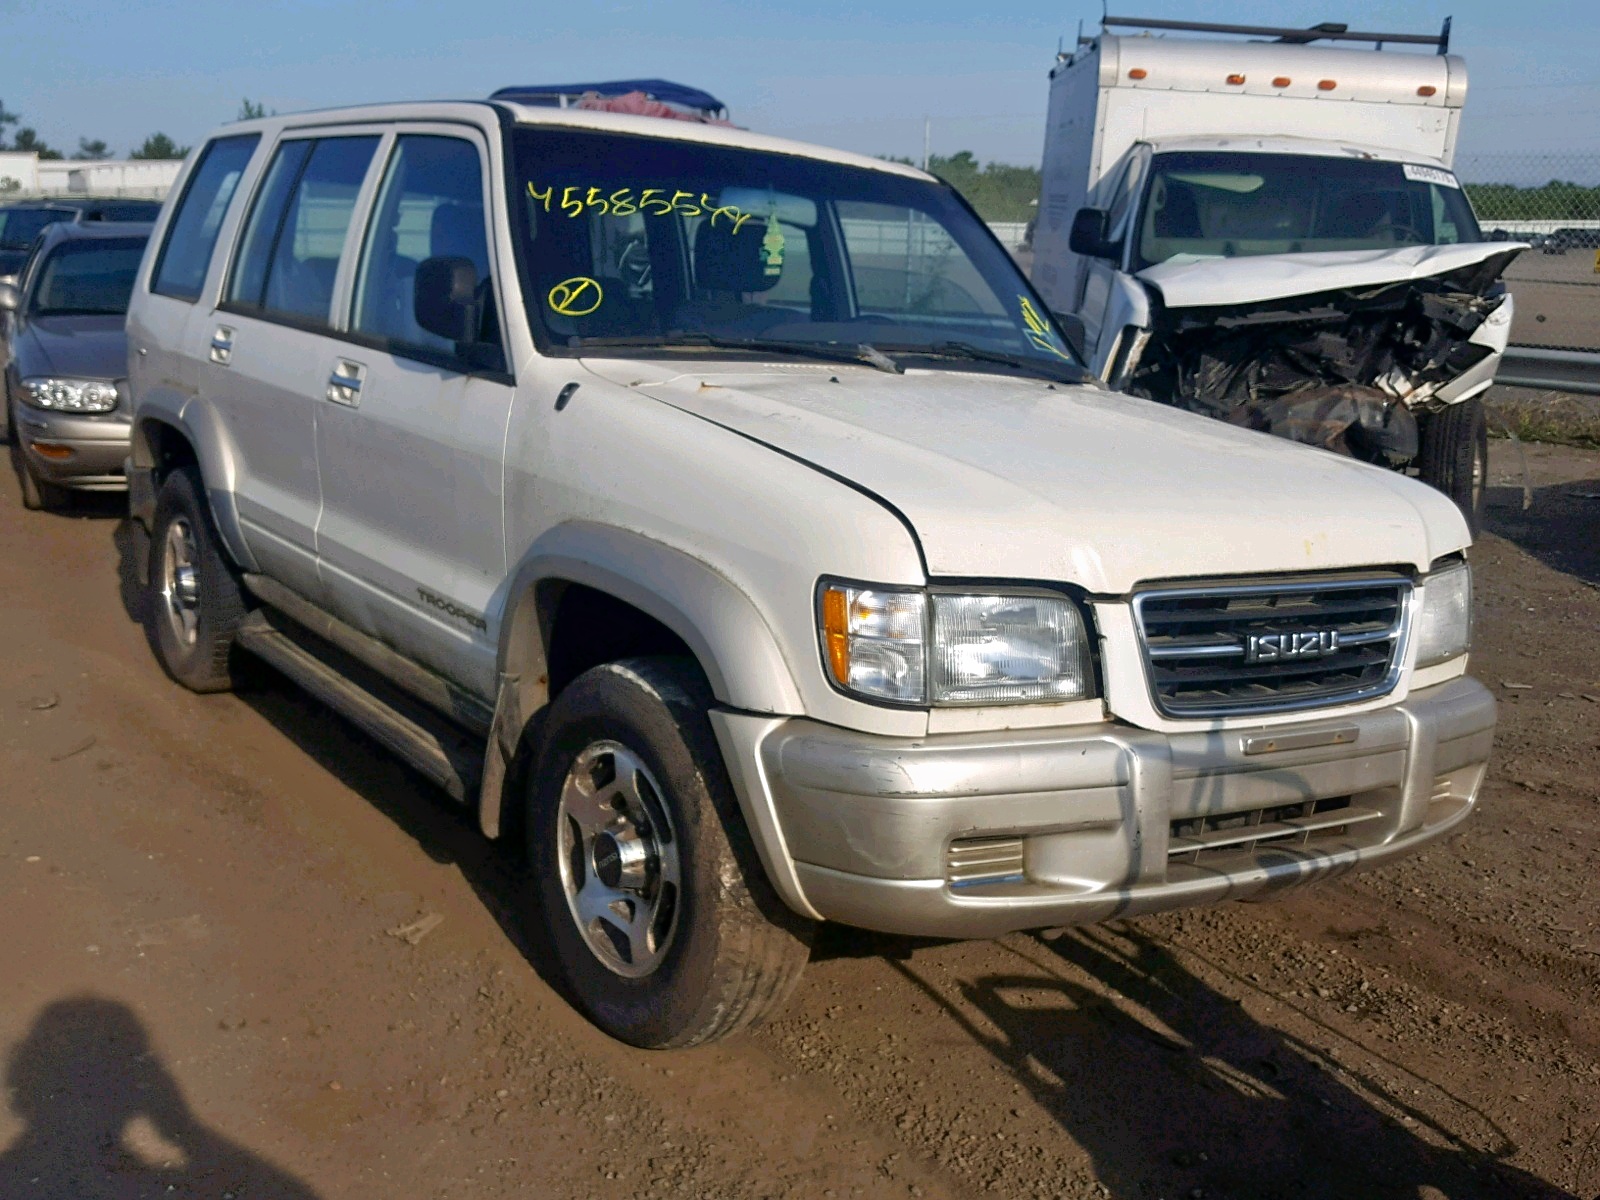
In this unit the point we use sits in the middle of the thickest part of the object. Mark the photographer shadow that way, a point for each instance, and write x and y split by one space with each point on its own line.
105 1119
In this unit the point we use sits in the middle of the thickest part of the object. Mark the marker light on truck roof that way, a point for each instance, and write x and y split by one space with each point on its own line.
1236 80
1281 81
1137 73
1427 89
1327 85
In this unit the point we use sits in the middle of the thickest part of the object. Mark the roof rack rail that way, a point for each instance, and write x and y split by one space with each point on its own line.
1331 31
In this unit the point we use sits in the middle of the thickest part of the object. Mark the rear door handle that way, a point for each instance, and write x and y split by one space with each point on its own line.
344 384
222 345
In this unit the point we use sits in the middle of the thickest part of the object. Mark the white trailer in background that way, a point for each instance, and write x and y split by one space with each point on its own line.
1268 231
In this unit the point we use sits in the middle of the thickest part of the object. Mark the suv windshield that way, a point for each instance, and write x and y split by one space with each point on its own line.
92 277
653 242
1220 205
19 226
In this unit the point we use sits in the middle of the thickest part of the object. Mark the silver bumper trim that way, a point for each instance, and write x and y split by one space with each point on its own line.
863 829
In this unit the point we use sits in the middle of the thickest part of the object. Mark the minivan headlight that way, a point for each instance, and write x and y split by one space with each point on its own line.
70 395
1444 626
953 648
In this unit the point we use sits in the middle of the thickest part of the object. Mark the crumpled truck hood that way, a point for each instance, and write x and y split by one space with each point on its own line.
1210 282
1004 478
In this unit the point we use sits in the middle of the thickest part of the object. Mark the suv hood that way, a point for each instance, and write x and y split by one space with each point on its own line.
1210 282
1006 478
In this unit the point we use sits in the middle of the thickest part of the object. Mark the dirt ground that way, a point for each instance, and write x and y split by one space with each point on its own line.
202 993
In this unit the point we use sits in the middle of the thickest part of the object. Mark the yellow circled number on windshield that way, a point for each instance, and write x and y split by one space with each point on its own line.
576 297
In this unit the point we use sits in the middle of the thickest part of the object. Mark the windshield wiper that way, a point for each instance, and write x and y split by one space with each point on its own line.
862 354
1068 372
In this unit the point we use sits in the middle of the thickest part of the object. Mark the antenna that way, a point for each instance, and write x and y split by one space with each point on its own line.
1444 36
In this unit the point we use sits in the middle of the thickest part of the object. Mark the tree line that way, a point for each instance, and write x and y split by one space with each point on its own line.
157 146
1558 200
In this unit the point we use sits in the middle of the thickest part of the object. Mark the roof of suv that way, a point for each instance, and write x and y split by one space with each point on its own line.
577 118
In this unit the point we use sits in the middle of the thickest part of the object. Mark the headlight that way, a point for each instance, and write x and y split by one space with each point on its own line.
942 648
71 395
1444 627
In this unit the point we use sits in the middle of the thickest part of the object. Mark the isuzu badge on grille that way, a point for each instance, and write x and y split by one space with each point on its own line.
1276 647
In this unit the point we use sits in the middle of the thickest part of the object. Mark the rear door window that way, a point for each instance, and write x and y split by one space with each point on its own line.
180 271
293 240
430 205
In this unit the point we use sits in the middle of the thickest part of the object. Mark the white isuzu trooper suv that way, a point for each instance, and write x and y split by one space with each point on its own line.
728 518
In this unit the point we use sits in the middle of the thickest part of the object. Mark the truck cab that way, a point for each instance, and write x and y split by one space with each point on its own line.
1269 232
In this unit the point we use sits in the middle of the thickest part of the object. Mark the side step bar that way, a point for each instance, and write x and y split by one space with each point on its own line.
431 744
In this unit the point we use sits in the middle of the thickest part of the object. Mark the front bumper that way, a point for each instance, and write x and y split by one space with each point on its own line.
74 450
975 835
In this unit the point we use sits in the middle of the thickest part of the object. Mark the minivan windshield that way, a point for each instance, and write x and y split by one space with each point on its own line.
1205 204
658 243
91 277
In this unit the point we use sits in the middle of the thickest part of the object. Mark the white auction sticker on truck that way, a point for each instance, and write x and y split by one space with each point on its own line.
1430 175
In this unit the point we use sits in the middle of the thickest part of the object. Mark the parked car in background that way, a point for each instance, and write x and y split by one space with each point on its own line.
728 516
66 373
21 221
1571 238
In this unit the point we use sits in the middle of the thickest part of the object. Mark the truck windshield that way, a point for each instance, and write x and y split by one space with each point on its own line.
657 243
1220 205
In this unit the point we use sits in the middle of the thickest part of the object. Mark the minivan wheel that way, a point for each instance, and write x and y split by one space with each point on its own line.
195 600
1454 457
664 926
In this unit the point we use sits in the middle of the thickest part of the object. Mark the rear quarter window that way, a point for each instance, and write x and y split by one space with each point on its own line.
180 271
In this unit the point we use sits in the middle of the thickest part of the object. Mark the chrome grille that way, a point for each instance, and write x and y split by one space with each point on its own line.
1272 646
971 861
1201 840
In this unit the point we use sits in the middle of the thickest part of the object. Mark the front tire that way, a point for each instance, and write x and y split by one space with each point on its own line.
1454 457
195 602
663 923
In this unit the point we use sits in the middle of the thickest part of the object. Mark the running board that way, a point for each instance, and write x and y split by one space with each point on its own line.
432 745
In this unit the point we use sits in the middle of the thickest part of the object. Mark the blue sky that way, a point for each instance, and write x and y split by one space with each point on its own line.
861 76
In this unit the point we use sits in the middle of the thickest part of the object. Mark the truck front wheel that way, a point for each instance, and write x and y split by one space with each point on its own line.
194 600
664 926
1454 457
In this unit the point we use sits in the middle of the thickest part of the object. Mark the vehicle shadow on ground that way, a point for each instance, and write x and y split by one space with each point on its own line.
1173 1089
104 1118
1561 528
448 833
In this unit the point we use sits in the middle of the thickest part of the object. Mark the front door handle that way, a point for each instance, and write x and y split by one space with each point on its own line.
221 345
344 385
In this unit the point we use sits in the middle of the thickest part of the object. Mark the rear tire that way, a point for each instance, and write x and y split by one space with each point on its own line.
1454 457
195 599
665 928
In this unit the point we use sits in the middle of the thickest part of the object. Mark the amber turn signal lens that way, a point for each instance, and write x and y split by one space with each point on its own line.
1137 73
836 633
1281 81
1427 89
1236 80
1327 85
52 451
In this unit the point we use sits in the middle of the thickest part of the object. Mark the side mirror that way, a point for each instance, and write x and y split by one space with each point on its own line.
445 298
1088 237
10 298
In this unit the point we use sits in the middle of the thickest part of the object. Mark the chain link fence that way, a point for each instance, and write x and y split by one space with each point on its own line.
1553 203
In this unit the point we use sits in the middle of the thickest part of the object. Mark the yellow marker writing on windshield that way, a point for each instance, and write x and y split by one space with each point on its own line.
1039 331
576 297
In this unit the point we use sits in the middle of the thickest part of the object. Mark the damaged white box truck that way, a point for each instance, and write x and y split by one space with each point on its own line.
1268 231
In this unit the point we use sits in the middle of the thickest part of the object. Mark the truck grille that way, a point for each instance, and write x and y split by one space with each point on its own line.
1272 646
